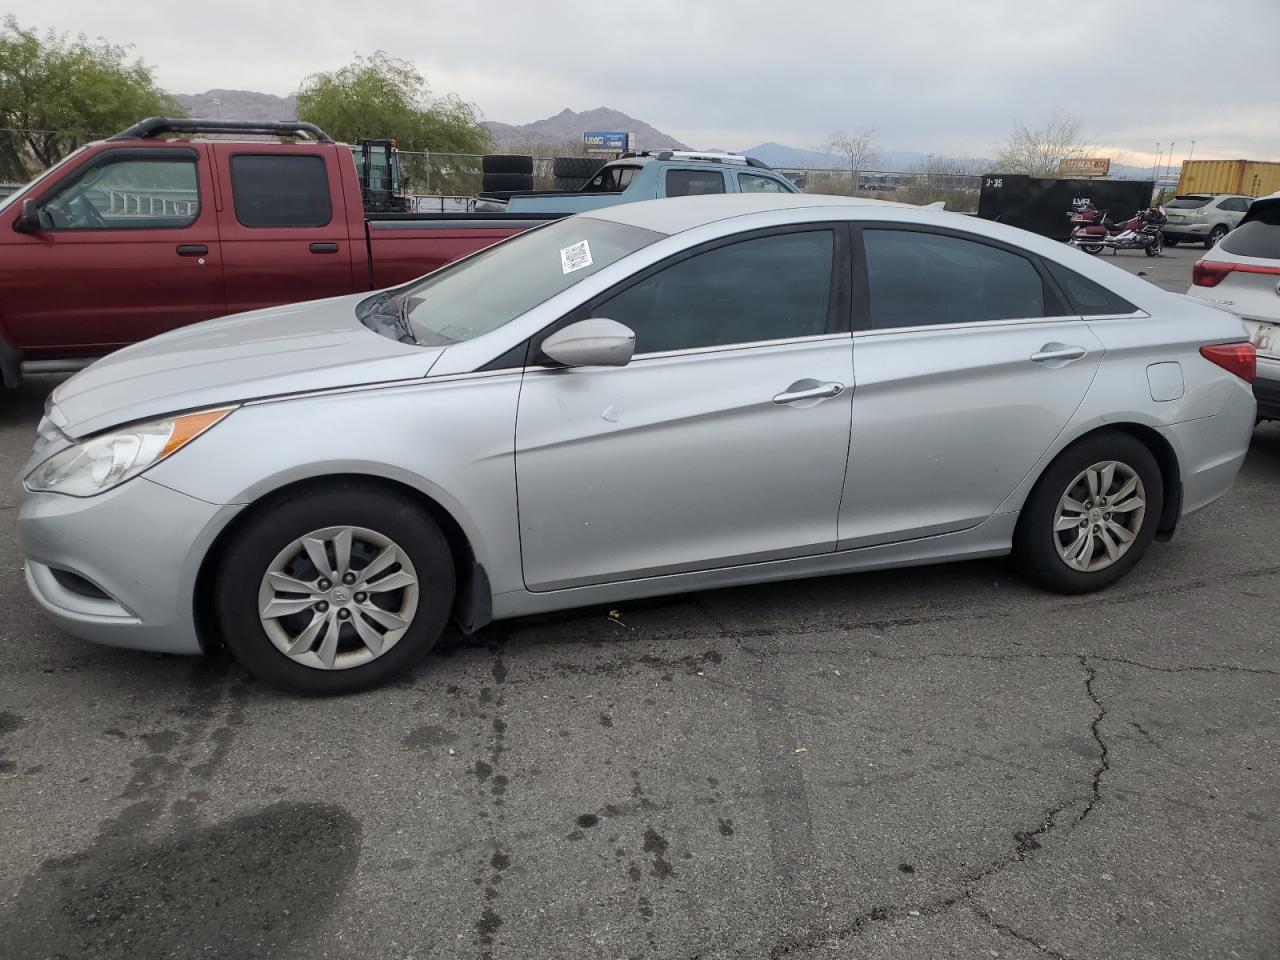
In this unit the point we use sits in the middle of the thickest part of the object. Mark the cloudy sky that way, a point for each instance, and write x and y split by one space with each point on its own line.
940 76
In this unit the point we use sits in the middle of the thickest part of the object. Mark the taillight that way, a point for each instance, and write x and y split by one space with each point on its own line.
1208 273
1238 358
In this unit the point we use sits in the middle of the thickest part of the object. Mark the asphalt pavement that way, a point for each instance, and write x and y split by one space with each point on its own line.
932 763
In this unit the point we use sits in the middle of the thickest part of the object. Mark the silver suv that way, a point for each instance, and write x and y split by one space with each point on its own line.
1203 217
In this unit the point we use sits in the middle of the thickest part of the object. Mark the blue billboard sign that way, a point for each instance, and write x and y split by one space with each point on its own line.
605 141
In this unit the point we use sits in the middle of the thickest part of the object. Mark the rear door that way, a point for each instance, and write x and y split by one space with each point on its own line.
968 367
283 224
691 181
128 248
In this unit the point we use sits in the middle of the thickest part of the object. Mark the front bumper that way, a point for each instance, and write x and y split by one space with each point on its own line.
120 568
1266 388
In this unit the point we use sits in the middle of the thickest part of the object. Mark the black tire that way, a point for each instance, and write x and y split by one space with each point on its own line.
506 163
1034 550
1093 249
272 527
1152 250
507 181
1171 242
568 184
575 168
1215 236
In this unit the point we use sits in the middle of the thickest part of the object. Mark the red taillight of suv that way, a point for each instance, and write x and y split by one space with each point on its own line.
1207 273
1238 358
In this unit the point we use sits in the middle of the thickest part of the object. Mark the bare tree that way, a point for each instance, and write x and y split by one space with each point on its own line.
862 151
1037 151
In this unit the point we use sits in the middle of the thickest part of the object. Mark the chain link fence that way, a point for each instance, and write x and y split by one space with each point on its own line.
443 182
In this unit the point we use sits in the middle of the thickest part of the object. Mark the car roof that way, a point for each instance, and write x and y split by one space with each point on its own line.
678 214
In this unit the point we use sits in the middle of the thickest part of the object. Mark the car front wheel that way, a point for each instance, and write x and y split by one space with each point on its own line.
1091 516
335 589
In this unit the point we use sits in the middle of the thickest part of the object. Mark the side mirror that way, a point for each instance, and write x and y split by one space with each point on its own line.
29 219
591 343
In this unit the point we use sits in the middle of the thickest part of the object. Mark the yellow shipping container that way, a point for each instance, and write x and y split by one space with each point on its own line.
1252 178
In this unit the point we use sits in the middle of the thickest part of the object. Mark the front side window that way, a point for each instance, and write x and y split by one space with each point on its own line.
477 295
754 183
767 288
689 183
919 279
280 190
127 194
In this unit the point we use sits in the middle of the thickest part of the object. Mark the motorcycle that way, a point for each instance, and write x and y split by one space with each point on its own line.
1094 231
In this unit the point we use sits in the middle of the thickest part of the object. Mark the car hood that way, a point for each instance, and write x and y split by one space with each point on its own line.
296 348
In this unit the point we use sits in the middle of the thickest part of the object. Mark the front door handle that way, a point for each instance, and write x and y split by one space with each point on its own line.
796 392
324 248
192 250
1059 352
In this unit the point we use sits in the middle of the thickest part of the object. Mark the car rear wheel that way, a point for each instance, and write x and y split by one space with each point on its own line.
1215 236
334 590
1092 515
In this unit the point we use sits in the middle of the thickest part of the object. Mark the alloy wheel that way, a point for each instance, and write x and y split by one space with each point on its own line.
338 597
1099 516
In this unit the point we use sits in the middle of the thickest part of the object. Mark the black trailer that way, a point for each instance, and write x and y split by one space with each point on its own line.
1043 205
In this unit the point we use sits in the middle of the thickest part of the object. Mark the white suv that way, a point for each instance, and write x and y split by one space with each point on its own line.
1203 217
1242 274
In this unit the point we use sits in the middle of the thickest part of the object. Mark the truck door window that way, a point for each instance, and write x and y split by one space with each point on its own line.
689 183
280 190
127 194
611 180
754 183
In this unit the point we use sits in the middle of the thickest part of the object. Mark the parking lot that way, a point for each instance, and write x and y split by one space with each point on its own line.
931 763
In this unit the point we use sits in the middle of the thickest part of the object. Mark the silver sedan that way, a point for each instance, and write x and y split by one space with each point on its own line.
652 398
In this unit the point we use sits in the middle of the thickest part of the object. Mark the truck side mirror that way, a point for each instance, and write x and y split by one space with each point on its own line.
29 219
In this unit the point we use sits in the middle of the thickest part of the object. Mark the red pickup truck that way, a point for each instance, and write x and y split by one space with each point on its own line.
141 233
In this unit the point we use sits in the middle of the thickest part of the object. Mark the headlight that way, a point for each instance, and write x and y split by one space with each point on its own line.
96 465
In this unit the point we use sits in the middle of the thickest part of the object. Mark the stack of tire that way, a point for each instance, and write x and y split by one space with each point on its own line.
572 173
506 172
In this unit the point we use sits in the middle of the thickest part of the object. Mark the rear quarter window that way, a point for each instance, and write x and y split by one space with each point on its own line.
1086 297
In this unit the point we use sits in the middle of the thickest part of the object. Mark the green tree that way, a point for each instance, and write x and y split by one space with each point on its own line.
380 96
58 92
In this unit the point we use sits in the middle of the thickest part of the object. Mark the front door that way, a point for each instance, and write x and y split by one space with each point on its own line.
722 442
127 248
968 368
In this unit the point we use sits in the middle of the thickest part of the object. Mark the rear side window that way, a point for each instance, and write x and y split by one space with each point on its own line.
1235 204
280 190
1258 236
1086 297
919 279
688 183
1187 203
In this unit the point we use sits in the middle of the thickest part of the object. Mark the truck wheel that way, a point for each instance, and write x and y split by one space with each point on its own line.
1215 236
575 168
507 181
335 589
506 163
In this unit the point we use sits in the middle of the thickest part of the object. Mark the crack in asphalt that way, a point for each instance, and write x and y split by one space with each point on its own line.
1027 843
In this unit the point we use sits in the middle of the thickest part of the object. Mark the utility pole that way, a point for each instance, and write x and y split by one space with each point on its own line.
1155 167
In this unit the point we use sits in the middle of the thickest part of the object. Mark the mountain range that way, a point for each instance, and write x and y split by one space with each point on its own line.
564 132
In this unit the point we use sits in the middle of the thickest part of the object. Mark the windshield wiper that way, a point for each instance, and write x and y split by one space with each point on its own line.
402 318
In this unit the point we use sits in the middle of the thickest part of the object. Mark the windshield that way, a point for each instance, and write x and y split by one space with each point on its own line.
21 191
481 293
1186 203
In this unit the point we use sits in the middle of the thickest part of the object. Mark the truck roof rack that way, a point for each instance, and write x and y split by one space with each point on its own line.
155 126
699 155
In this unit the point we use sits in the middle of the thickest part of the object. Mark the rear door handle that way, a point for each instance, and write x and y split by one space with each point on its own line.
192 250
822 391
324 248
1058 351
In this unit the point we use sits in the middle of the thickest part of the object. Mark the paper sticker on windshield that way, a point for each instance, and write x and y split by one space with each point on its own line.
575 257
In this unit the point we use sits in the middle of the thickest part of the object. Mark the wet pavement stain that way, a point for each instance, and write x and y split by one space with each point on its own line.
656 844
229 890
428 736
587 820
725 826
